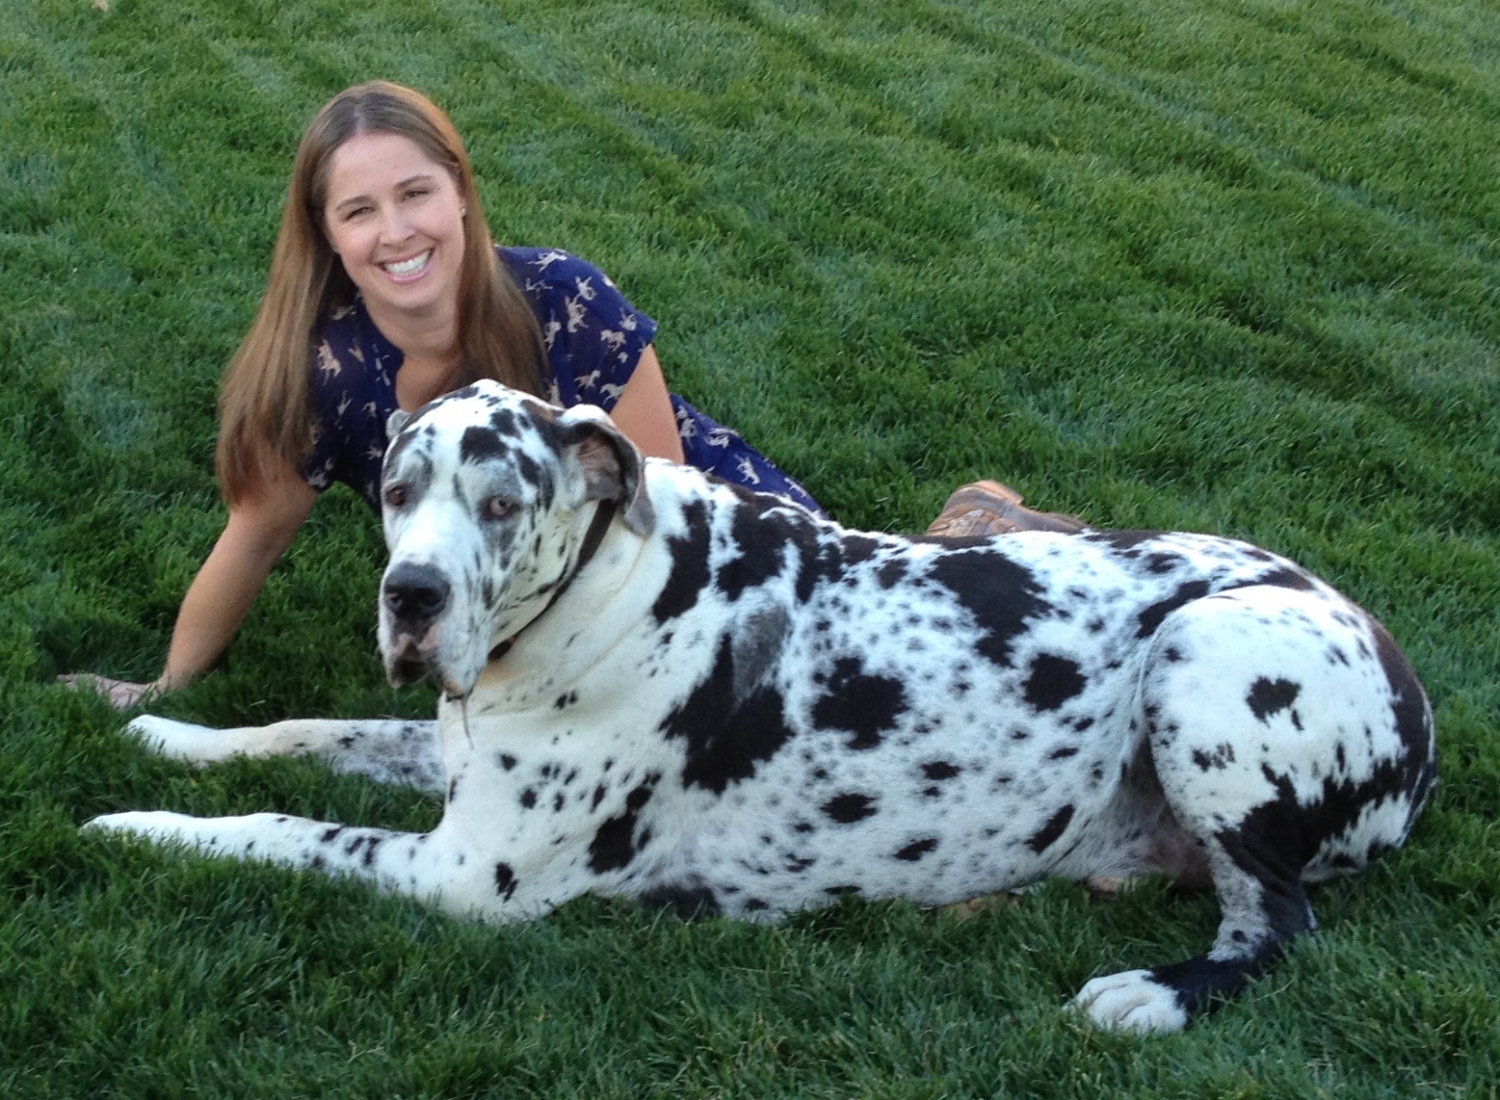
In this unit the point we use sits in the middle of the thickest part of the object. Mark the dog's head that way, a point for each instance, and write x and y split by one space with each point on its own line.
485 497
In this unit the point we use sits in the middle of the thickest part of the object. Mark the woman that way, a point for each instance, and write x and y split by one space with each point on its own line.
385 269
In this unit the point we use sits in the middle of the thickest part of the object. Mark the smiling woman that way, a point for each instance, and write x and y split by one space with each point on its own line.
386 291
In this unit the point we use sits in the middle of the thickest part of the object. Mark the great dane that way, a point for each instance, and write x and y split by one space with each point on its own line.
658 685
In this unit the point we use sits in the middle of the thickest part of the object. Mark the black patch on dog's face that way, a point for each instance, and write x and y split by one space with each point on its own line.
866 706
1000 594
729 726
689 565
1047 835
1053 681
505 880
479 444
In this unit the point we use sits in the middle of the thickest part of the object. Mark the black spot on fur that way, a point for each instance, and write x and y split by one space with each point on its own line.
507 761
1151 618
940 769
1047 835
1217 760
1286 578
528 798
612 847
729 727
1001 595
688 902
849 808
760 548
689 574
1053 681
479 444
1413 719
891 573
503 421
1267 697
1121 540
1162 562
917 849
864 705
505 880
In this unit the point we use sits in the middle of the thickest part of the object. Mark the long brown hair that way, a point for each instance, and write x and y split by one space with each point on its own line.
265 407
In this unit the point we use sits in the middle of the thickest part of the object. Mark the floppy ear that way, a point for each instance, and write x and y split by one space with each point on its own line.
612 466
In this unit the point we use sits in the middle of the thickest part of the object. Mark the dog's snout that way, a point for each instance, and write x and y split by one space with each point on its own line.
416 593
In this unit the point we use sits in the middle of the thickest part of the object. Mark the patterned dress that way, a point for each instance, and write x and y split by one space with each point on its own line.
594 339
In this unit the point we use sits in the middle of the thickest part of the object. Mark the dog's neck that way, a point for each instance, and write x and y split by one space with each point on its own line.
604 515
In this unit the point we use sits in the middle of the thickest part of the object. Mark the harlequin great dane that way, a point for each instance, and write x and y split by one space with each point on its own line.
661 686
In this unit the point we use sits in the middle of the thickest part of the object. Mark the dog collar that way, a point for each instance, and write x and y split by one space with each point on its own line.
592 538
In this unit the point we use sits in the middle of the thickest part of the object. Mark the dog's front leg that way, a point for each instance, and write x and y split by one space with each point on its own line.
387 751
425 866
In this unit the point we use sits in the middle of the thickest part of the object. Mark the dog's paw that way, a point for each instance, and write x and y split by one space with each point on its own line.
157 825
179 740
1131 1001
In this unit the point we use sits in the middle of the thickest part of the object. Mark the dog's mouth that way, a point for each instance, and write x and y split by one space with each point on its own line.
406 664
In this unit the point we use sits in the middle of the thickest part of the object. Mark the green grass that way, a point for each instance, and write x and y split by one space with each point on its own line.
1231 266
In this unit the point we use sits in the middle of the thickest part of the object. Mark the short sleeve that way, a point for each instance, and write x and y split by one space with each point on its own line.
594 335
351 380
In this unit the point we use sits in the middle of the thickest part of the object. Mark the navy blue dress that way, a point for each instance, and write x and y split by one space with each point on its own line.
594 339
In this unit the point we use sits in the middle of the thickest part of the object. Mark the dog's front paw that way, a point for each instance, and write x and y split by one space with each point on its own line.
179 740
1131 1001
160 826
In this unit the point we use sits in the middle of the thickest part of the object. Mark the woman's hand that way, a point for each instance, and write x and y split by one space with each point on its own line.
122 694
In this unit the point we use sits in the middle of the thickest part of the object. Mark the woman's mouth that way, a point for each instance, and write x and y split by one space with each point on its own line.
407 270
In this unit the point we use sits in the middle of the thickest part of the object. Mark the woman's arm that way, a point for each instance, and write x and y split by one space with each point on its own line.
644 410
261 526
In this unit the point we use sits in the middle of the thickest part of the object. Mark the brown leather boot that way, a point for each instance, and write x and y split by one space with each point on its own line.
988 508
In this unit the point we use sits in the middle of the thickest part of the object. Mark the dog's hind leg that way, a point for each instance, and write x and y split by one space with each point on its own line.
1279 738
387 751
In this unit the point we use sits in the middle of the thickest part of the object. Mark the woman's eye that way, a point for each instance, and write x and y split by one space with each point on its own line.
496 508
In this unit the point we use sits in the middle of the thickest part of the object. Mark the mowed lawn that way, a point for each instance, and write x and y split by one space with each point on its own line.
1230 266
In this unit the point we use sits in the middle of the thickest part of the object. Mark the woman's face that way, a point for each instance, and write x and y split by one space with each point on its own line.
395 218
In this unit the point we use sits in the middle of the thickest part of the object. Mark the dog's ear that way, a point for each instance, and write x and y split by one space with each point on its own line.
395 422
612 466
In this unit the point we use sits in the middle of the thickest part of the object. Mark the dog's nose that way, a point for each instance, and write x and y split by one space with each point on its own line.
416 593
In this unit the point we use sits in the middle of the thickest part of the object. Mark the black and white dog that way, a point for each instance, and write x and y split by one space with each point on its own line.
661 686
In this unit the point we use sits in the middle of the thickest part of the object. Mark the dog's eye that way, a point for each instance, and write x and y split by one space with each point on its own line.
498 508
395 496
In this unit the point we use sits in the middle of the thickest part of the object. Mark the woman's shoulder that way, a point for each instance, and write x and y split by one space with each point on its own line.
546 272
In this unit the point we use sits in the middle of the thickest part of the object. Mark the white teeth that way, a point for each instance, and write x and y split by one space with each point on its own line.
408 267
